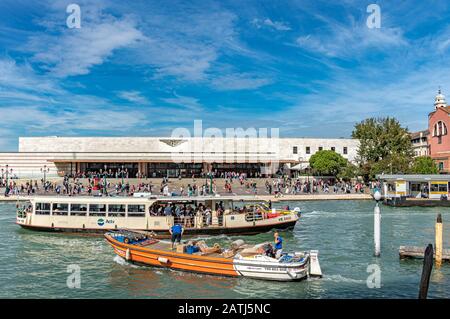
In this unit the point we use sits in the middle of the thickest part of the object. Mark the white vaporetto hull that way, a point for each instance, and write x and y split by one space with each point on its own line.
268 268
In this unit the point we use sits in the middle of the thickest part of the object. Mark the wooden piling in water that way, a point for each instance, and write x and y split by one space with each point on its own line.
438 240
426 272
377 230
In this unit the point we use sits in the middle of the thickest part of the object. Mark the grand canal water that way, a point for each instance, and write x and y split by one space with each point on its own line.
34 265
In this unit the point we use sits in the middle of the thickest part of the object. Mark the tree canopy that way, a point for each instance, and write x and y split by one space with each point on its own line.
385 146
327 162
424 165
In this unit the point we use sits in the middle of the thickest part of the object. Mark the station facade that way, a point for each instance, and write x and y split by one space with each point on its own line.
166 156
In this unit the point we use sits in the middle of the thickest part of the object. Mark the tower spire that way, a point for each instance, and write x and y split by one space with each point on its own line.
439 101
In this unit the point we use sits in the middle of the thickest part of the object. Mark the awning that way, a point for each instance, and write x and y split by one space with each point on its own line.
300 167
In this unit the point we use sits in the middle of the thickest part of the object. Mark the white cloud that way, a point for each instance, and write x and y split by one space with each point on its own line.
76 51
277 25
346 41
185 46
267 22
133 96
23 77
239 81
186 102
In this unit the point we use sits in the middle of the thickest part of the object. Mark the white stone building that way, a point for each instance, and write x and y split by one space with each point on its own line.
166 156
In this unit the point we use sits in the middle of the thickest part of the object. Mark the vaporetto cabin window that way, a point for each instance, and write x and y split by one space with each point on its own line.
60 209
116 210
97 210
78 209
42 208
136 210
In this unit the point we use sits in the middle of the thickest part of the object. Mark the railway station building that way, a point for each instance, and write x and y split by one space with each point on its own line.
166 156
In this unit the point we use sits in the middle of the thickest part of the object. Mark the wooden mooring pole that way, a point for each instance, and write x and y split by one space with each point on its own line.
426 272
377 225
438 240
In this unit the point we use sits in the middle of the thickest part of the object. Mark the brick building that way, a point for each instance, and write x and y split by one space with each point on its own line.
438 138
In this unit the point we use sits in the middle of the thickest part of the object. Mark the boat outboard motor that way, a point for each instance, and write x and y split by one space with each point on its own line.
269 250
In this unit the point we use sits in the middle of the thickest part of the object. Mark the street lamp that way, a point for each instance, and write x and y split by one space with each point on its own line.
104 180
6 172
122 171
45 170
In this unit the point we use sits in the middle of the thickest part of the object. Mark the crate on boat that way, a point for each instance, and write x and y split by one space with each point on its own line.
181 248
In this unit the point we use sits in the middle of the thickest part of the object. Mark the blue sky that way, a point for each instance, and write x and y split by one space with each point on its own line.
142 68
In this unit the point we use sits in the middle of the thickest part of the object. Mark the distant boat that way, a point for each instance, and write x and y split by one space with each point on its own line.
225 215
242 260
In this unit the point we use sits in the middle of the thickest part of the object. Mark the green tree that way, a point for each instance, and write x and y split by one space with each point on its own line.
348 172
385 146
424 165
327 162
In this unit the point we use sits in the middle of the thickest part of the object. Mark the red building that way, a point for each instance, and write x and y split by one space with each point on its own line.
438 138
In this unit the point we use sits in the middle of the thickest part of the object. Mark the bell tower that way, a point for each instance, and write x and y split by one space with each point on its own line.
439 100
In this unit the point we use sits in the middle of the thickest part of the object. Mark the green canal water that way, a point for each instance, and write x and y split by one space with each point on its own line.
35 265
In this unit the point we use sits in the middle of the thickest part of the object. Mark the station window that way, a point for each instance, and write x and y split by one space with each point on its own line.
320 148
333 148
438 187
308 150
345 151
295 150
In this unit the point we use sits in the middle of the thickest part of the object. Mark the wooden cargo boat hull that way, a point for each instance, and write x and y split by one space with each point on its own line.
173 260
152 252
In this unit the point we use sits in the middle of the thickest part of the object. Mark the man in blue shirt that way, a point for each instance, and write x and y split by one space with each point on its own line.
176 231
278 245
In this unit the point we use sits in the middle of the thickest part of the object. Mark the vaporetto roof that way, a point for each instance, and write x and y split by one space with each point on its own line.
138 200
413 177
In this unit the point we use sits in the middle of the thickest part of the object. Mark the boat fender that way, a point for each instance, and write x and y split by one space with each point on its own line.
292 274
127 254
163 260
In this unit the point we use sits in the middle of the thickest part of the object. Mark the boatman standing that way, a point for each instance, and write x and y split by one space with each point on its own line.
278 245
176 231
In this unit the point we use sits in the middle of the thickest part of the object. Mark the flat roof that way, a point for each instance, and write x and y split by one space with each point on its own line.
136 200
413 177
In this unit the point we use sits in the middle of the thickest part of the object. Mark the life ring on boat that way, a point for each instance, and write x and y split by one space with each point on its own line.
126 240
216 246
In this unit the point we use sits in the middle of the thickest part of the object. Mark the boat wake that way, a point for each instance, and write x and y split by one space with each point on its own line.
340 279
119 260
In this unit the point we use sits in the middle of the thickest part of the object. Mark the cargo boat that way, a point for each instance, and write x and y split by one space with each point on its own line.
139 248
210 215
